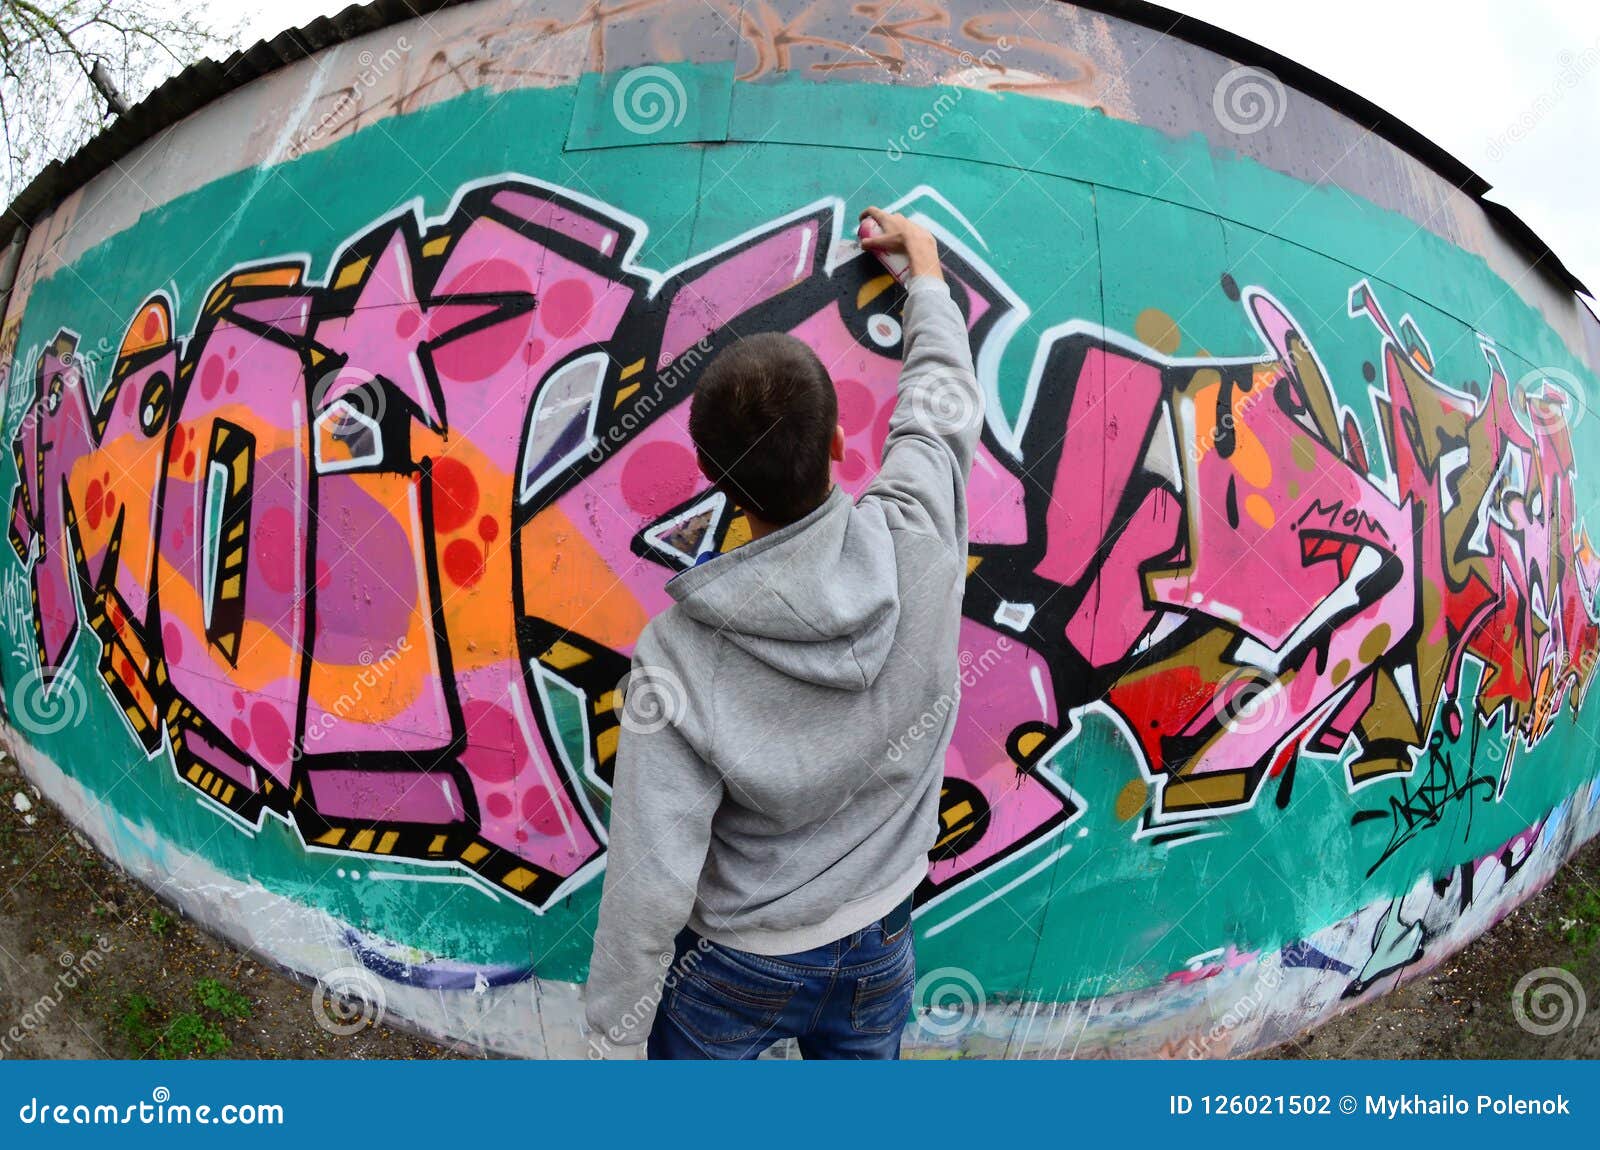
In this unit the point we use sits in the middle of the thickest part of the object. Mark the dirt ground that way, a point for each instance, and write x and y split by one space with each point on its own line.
1463 1009
93 966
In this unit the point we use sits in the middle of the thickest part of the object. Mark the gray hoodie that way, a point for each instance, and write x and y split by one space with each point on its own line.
765 791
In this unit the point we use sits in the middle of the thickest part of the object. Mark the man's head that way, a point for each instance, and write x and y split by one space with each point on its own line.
765 425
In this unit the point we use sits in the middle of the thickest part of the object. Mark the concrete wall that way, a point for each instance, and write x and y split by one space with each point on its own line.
349 460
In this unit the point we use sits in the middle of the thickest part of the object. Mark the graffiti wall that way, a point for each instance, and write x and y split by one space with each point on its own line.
344 480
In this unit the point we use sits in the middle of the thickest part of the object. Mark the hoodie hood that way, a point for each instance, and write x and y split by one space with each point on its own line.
817 600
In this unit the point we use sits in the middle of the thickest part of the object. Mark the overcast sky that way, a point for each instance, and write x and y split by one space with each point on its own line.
1510 87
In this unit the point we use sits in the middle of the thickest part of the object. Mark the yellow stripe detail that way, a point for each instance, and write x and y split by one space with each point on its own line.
872 289
520 879
562 655
351 273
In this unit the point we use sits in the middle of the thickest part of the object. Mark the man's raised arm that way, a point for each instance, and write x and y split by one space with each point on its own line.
938 416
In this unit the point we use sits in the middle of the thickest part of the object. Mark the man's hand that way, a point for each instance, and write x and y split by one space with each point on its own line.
901 235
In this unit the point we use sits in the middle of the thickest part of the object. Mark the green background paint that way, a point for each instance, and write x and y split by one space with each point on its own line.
1104 221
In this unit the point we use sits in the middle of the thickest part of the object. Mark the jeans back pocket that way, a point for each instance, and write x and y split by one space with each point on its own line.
883 998
721 1000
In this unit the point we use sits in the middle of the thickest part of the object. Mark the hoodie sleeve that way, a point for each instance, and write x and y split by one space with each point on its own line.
662 802
937 418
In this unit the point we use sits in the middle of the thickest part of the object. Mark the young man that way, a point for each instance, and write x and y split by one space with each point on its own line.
764 844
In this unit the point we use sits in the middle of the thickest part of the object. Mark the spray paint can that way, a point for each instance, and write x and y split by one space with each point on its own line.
897 264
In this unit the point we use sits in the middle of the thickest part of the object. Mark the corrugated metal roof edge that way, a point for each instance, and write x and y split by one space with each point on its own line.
203 82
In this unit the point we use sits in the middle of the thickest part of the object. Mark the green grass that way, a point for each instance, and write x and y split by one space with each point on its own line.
1581 916
220 999
151 1032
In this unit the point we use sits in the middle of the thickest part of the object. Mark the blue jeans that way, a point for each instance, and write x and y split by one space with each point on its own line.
849 999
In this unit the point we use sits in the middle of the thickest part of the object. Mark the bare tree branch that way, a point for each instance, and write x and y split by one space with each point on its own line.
64 64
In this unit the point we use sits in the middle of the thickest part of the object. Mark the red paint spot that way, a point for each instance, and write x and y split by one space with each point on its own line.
110 505
232 383
488 529
499 805
273 549
271 732
172 643
855 405
188 464
126 673
211 371
92 501
489 725
658 477
488 276
565 307
238 701
540 812
240 733
533 351
152 324
463 563
406 324
455 495
484 352
175 450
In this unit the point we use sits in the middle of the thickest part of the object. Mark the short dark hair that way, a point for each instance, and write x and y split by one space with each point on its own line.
762 418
